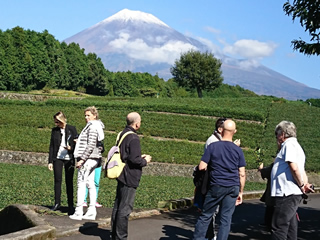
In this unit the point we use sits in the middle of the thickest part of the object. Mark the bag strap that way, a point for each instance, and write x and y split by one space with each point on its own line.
124 135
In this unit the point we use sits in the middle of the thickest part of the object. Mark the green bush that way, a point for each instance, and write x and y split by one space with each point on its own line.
172 130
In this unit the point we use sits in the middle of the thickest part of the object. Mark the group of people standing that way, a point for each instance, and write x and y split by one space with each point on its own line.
224 161
84 152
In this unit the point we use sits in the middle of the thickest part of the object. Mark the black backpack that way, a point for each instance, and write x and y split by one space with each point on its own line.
201 180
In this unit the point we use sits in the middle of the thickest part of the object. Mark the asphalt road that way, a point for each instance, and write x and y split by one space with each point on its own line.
179 224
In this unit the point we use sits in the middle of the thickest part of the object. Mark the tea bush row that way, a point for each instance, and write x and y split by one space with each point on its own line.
25 126
240 108
35 184
193 128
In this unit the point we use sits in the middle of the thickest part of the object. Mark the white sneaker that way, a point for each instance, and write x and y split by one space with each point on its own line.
98 205
76 216
89 216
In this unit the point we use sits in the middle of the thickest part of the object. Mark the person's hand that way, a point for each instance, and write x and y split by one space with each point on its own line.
50 166
260 167
148 158
308 188
68 147
79 163
239 199
237 142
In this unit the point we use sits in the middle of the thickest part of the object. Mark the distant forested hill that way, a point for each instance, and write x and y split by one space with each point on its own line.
33 61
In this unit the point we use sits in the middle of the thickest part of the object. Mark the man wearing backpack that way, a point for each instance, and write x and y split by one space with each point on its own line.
129 179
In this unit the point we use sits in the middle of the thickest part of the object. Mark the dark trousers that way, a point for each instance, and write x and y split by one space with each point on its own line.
284 219
69 171
268 216
123 206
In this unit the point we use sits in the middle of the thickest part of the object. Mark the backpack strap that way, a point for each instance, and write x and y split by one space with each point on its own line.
124 135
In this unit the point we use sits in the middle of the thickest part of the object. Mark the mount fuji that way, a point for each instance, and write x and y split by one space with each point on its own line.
139 42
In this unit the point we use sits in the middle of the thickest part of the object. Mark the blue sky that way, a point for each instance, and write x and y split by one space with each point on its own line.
253 29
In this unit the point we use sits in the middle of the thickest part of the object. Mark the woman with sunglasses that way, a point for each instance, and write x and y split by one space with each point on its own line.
62 144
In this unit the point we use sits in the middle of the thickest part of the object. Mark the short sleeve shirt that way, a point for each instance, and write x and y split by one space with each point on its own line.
282 180
224 159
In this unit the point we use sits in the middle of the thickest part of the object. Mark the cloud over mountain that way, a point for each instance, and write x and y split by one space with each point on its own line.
165 52
140 42
250 48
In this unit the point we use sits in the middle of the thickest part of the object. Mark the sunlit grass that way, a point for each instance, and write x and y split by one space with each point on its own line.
26 184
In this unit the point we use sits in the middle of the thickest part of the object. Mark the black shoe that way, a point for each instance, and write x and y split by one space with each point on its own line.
71 210
55 207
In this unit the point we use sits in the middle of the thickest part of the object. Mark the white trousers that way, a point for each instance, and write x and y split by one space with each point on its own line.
86 179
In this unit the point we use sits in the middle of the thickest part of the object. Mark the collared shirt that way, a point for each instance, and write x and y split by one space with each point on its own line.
282 180
215 137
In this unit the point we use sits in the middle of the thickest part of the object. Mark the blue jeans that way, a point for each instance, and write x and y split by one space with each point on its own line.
284 218
225 197
123 206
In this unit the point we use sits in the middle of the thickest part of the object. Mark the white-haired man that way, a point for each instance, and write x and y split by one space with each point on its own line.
288 182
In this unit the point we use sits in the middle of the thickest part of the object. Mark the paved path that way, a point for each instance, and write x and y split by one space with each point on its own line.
179 224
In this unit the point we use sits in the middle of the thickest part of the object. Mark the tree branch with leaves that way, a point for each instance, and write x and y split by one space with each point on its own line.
309 14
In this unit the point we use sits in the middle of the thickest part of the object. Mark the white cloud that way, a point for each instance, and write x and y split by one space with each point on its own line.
138 49
213 47
119 42
248 63
161 39
252 52
250 49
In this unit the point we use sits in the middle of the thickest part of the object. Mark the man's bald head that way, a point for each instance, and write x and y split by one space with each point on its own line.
229 129
229 125
134 120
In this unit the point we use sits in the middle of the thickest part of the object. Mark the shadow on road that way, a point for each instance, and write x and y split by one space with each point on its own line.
246 223
179 224
91 230
175 233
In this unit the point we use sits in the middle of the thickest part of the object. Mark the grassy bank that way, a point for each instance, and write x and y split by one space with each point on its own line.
25 184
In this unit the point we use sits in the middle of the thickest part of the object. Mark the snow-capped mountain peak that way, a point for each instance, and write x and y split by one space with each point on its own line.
139 42
127 15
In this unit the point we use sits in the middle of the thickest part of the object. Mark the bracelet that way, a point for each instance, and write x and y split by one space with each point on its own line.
302 185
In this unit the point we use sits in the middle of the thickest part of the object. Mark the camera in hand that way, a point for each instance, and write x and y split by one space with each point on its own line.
305 196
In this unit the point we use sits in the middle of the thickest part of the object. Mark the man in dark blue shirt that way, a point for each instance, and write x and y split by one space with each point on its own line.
226 164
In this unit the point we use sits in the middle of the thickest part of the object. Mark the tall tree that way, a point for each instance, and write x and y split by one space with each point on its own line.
196 70
97 79
77 67
308 11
